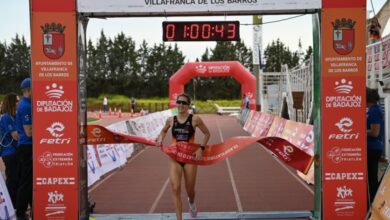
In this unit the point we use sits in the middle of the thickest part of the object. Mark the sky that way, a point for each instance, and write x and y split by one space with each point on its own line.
15 19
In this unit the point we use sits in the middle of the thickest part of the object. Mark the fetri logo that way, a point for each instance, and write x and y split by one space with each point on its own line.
344 125
56 130
96 132
201 69
54 91
97 136
343 87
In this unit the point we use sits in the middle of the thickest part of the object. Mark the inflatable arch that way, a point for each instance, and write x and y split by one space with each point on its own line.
213 69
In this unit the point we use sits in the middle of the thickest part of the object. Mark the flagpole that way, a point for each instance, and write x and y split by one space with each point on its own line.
257 45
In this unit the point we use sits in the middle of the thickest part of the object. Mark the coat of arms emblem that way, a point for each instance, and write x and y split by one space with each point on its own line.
53 40
343 36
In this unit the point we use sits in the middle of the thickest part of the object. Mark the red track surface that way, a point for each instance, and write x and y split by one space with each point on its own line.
251 180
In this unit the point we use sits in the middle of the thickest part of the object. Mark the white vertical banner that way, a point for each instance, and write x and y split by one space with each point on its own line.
257 39
6 209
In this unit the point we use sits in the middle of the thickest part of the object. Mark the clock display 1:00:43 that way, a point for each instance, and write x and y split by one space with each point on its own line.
201 31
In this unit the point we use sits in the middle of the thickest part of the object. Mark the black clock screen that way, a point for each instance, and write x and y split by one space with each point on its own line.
201 31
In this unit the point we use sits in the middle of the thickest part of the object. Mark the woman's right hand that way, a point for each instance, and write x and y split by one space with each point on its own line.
158 142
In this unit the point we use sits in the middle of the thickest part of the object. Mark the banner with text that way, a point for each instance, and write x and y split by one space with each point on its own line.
343 119
55 104
187 7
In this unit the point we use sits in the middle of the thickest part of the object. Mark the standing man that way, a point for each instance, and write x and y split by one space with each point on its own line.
105 104
132 104
24 151
245 101
375 140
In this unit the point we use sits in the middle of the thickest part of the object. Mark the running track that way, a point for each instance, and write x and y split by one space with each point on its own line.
250 181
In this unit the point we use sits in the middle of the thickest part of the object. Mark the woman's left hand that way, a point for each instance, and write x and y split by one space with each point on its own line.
198 154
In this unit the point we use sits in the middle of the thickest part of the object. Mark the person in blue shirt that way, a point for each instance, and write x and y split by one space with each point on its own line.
8 142
375 140
24 151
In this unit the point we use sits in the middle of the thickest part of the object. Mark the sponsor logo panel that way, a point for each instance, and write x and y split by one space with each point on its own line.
343 92
51 159
55 203
42 181
55 97
56 131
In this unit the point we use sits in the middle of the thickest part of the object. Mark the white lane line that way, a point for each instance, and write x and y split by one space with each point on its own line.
154 205
237 197
114 172
293 174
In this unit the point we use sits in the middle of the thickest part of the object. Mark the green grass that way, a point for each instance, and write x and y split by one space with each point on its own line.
155 104
91 119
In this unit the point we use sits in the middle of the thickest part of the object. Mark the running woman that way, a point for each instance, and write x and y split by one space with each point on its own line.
183 129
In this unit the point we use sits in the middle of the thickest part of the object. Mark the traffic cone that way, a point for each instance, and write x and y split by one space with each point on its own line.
109 111
142 112
120 113
100 114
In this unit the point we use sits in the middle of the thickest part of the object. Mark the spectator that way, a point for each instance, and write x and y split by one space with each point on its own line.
245 101
193 108
375 140
183 130
132 104
24 151
105 104
8 142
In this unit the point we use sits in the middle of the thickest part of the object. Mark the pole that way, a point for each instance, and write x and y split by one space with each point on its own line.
257 45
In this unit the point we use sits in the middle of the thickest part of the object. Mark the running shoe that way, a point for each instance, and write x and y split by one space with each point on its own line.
193 210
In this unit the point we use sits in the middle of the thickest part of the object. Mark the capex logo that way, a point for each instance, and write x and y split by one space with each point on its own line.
54 93
56 130
343 35
53 40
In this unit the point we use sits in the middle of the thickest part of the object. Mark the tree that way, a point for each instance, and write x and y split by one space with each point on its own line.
278 54
15 64
3 49
309 52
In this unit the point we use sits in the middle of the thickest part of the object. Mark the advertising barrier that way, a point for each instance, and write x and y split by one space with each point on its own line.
7 211
105 156
380 208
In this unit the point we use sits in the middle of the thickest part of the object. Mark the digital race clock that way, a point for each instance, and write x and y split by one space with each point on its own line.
201 31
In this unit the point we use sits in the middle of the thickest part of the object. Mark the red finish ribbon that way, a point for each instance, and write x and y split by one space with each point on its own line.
184 152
